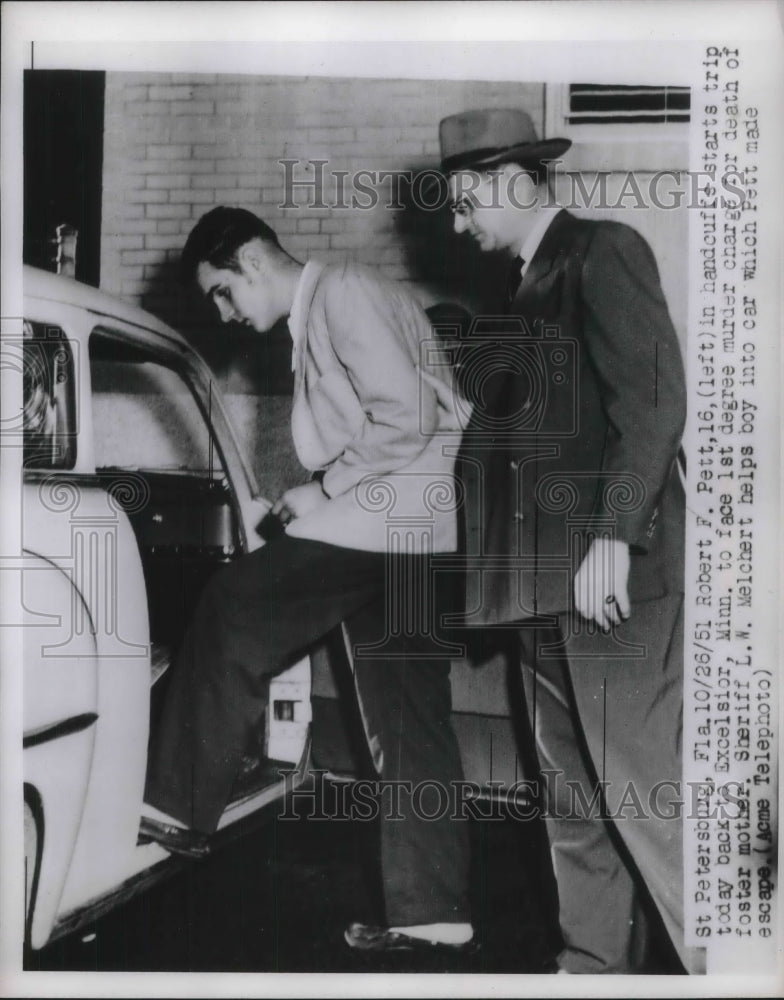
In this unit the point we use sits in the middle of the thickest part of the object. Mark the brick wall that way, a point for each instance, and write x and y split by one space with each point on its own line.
177 145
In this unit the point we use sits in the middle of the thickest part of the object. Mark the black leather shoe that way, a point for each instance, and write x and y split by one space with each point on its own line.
366 937
176 839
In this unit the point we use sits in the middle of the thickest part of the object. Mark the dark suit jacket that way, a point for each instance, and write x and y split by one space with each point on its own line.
579 405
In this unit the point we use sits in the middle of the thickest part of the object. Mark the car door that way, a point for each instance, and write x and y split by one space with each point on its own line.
156 460
59 651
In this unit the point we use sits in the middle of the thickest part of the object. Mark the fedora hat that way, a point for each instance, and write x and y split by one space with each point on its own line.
491 136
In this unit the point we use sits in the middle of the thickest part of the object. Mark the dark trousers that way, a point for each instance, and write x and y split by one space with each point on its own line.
252 620
602 714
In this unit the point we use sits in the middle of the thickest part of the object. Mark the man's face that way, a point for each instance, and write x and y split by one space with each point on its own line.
246 296
493 208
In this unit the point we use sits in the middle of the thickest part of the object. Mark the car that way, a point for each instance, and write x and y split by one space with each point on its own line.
135 490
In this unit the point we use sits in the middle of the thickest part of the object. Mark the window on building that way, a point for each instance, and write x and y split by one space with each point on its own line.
63 166
612 104
621 127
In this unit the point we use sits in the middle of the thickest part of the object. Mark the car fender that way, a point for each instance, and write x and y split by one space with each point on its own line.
115 594
86 534
60 713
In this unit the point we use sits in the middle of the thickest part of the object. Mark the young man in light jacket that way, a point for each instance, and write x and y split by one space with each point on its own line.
374 420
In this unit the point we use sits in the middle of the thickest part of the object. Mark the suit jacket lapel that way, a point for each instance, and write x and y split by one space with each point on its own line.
553 249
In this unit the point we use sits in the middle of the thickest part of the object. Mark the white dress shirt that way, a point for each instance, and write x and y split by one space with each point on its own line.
545 216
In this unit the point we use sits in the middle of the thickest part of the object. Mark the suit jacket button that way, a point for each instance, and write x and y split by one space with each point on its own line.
519 516
514 464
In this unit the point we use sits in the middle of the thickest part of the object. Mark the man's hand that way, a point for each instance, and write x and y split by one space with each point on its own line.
299 501
601 583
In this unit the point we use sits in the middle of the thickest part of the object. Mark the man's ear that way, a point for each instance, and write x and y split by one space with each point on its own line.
510 170
250 257
520 185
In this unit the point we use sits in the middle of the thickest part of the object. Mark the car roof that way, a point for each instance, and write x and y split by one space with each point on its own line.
58 288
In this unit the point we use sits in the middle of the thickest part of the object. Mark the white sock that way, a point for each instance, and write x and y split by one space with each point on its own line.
152 813
444 933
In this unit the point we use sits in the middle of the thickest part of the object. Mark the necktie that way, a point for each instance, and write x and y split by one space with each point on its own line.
514 279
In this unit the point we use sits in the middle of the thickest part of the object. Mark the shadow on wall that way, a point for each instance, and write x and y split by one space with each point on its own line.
263 425
451 267
252 371
242 360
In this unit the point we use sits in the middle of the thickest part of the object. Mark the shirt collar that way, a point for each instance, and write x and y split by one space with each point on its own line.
543 221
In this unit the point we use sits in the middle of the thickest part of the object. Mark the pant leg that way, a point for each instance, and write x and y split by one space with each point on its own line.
253 617
602 923
406 702
631 710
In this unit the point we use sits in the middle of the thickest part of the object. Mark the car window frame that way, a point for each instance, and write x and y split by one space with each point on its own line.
200 382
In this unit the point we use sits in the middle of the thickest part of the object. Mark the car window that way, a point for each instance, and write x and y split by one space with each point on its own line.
49 398
145 414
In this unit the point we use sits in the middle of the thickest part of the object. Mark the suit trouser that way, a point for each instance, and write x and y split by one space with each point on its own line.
602 714
252 619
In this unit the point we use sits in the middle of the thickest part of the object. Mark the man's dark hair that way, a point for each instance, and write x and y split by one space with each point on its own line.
217 237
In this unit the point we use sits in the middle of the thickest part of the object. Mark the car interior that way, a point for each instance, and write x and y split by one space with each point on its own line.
156 455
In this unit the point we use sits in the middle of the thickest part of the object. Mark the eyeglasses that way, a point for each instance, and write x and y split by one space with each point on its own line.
463 207
467 201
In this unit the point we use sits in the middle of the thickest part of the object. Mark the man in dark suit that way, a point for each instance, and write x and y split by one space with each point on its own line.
574 528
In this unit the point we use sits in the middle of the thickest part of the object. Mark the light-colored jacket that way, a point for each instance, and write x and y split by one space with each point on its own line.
375 410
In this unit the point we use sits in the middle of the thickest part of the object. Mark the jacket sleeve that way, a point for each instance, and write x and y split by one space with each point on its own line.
634 350
375 335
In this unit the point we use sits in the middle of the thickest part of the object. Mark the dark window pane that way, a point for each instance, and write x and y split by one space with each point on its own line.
49 399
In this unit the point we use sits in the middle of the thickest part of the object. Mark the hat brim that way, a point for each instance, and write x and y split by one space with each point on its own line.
525 153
